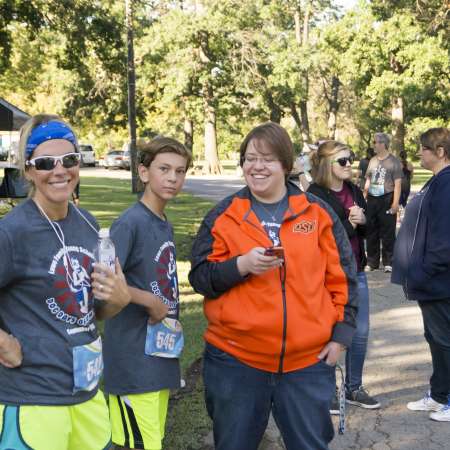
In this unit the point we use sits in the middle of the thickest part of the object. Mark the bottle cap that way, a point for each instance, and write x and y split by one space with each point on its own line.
103 233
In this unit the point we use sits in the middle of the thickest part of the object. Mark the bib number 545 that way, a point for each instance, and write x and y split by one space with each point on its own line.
165 341
94 368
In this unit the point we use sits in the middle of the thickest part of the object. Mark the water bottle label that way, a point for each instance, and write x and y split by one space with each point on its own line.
87 366
108 259
165 339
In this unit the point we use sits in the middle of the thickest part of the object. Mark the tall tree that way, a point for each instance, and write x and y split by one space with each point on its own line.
131 78
396 71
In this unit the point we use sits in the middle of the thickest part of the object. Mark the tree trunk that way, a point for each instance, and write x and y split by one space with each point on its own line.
212 165
333 107
295 115
306 23
298 27
136 185
189 133
398 125
302 41
275 111
304 119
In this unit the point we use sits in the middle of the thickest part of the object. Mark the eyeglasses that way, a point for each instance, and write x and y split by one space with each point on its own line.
344 160
264 160
68 161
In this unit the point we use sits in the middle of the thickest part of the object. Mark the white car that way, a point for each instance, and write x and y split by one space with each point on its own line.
115 160
87 155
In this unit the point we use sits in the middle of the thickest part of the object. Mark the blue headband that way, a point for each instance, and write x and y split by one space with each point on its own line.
46 132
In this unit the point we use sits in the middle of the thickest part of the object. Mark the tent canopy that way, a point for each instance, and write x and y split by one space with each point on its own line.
11 117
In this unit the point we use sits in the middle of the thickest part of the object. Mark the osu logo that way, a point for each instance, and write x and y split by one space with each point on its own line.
305 226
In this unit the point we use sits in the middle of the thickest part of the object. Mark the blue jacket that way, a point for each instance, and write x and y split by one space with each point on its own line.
421 261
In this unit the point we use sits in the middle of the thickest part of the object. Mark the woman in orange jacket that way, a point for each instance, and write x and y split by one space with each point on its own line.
279 280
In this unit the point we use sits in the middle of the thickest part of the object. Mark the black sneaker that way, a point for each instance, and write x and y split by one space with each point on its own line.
360 397
334 408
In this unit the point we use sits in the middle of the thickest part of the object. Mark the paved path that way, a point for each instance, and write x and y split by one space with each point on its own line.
397 368
212 188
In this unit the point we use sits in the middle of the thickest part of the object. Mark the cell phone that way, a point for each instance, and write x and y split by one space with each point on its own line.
275 251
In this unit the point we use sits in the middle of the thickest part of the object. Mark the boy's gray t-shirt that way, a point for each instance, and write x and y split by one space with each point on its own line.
382 175
146 251
44 304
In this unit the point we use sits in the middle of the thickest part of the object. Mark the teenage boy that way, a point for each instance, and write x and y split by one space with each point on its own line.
143 343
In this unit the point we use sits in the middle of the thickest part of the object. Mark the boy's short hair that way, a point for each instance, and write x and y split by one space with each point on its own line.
161 144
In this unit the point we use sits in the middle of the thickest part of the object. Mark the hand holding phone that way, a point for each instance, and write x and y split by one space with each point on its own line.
275 251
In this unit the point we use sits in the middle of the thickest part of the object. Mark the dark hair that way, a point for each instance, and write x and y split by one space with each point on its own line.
370 153
277 138
161 144
435 138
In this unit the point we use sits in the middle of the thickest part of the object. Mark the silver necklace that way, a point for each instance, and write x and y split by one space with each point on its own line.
274 215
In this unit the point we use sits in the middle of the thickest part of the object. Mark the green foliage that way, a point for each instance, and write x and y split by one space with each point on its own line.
418 126
244 58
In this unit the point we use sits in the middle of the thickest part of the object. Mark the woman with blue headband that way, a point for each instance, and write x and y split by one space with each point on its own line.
50 349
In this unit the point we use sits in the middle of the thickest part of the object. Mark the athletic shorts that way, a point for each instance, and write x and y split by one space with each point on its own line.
138 420
72 427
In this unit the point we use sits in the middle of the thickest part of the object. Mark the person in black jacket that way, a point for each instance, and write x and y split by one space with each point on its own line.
422 266
332 171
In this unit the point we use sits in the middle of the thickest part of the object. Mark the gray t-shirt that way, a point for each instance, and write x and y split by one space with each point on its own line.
46 303
382 175
271 216
144 245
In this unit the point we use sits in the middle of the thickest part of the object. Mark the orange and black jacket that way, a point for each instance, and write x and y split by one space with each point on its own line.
280 320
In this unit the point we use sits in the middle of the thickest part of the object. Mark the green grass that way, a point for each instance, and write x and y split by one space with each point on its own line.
421 176
106 199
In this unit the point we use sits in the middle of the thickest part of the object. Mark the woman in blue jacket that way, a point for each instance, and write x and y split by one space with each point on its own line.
422 266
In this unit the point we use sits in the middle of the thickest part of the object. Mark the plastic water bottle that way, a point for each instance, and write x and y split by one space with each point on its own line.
105 252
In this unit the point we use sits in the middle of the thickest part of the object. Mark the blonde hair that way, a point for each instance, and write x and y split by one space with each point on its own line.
321 161
25 132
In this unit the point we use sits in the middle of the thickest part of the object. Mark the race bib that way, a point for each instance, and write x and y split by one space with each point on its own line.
376 190
165 339
87 366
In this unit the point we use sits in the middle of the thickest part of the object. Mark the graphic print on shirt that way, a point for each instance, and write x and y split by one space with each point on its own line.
166 284
74 301
376 187
273 231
